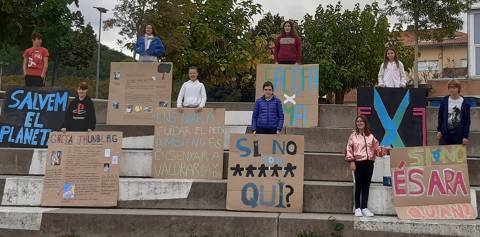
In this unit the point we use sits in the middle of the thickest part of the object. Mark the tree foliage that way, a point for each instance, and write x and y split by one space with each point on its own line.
429 19
348 45
70 42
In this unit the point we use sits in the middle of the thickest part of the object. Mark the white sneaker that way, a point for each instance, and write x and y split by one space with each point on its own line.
367 212
358 212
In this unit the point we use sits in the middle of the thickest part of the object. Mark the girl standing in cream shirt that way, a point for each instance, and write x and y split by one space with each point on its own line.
392 72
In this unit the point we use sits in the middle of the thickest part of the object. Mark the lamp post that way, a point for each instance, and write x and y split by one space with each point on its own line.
100 10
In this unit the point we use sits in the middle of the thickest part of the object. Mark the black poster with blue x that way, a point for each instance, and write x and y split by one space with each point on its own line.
396 116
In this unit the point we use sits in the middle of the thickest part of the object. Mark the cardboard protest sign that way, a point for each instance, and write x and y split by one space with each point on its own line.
30 114
397 116
137 90
189 144
297 87
82 169
431 179
265 173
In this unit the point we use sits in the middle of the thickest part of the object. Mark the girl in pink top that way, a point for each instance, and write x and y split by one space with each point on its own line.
361 150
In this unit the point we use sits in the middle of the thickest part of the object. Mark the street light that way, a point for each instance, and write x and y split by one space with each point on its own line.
100 10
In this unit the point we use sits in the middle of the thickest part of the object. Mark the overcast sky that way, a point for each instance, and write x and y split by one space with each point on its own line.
288 8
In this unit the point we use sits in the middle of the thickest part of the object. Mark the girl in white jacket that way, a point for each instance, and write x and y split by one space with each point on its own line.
392 72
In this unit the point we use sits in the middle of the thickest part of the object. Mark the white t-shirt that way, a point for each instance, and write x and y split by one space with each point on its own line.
454 111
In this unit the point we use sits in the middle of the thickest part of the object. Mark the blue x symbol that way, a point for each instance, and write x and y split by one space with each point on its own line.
391 125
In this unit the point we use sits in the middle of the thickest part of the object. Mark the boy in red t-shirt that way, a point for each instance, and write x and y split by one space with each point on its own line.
35 62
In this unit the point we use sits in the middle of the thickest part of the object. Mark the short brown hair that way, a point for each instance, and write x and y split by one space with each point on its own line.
82 85
455 84
36 35
267 84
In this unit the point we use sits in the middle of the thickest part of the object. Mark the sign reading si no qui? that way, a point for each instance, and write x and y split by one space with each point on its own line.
265 173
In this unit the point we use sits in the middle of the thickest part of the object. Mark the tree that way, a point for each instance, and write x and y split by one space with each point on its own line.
431 19
348 45
17 21
215 35
69 41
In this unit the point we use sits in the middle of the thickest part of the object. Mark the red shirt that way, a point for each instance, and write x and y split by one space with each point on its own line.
288 49
35 58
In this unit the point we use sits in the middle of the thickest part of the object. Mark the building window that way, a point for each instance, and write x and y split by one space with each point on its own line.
476 28
477 60
425 66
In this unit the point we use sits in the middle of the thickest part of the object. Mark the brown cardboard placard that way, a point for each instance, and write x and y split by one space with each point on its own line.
137 90
82 169
460 211
430 177
297 87
265 173
189 144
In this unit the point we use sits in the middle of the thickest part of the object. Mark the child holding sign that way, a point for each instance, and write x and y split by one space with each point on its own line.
35 62
80 114
267 115
192 94
362 148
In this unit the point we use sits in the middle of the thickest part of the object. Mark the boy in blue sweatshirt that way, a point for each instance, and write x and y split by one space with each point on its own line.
267 115
453 117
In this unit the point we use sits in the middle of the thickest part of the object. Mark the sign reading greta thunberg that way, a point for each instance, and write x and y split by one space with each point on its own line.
431 183
297 87
82 169
30 114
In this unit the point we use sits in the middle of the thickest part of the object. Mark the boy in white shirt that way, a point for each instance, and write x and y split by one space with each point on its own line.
192 94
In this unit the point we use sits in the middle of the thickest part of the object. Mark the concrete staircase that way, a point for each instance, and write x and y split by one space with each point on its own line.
155 207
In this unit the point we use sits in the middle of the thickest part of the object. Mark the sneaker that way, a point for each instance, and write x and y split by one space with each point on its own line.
358 212
367 212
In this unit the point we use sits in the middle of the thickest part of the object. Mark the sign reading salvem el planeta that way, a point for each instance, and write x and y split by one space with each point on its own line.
30 114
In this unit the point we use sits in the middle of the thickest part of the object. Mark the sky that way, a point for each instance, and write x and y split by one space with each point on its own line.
288 8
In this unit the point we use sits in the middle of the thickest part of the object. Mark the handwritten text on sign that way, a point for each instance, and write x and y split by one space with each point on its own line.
189 144
429 176
297 87
265 173
30 114
82 169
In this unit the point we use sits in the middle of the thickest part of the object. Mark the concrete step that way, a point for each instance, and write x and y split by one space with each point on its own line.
319 140
318 197
291 224
329 115
343 116
138 163
326 197
54 222
333 140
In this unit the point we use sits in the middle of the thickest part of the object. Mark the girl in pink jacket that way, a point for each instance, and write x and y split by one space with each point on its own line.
361 150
